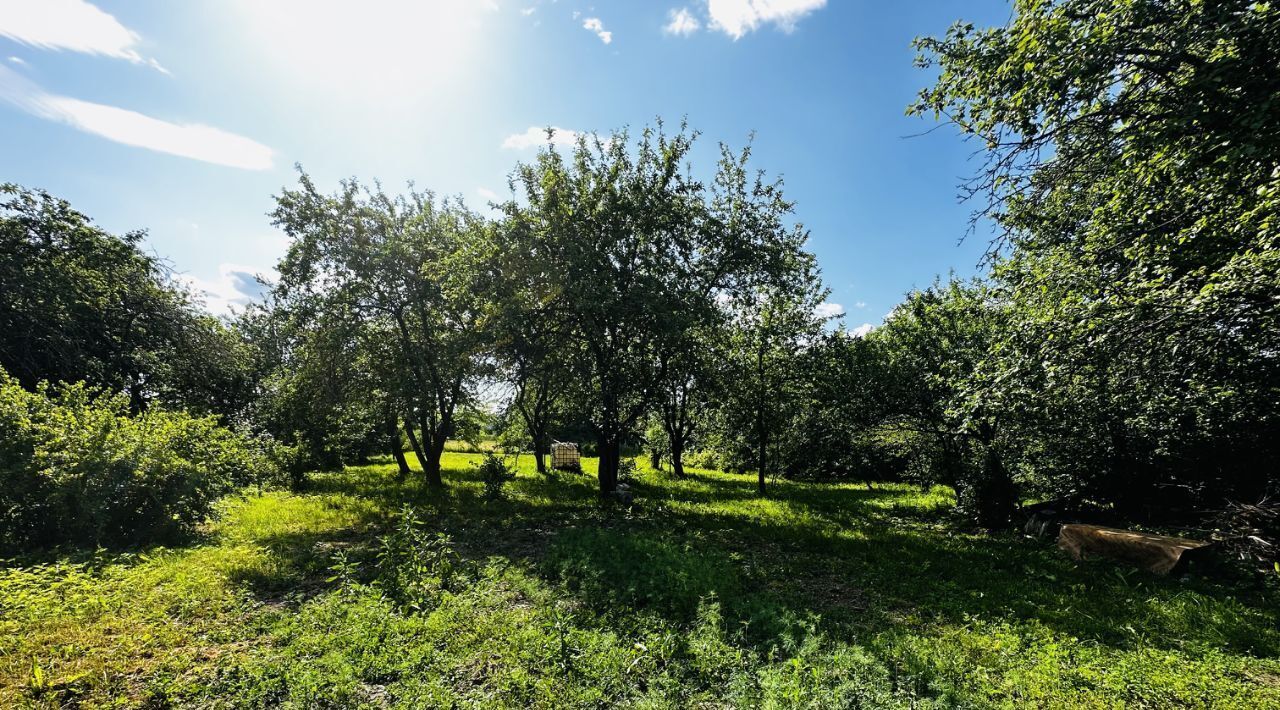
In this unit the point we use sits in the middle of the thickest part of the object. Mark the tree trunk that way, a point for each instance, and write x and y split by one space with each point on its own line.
541 446
397 449
761 433
994 498
608 470
413 442
677 457
431 467
540 454
763 463
137 399
762 447
996 495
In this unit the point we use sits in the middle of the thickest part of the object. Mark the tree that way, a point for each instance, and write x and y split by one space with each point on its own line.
685 395
836 430
412 273
532 338
314 389
81 304
772 327
1132 151
638 253
935 346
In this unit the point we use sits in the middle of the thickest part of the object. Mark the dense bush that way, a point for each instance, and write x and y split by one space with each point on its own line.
74 468
495 473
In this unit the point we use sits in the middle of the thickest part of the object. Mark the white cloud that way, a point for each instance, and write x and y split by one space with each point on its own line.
235 285
73 25
488 195
526 11
537 136
738 17
17 60
681 23
862 330
860 305
828 310
188 140
595 25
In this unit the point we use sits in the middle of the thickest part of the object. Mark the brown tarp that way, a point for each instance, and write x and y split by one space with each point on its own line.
1157 553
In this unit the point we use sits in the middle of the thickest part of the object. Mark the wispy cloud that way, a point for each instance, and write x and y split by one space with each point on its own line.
72 25
681 23
828 310
862 330
234 286
188 140
594 24
537 136
738 17
860 305
488 195
17 60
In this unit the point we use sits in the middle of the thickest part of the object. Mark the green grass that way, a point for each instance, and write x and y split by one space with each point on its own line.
701 594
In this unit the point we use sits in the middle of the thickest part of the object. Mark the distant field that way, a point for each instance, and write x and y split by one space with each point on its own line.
702 594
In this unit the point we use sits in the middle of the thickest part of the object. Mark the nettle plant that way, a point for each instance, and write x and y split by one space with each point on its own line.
414 564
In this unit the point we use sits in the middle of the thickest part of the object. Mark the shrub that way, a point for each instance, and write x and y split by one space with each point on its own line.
706 458
75 469
414 565
495 473
626 470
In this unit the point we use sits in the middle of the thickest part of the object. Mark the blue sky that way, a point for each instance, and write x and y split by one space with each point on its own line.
184 118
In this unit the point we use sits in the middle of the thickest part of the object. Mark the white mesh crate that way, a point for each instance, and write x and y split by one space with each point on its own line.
565 456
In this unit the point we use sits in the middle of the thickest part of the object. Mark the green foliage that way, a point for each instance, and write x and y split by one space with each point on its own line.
397 287
317 387
84 305
413 565
77 470
495 473
626 470
763 383
1132 151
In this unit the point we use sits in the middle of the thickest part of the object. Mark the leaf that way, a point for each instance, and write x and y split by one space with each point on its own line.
37 676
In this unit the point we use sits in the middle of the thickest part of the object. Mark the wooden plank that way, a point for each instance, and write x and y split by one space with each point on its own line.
1156 553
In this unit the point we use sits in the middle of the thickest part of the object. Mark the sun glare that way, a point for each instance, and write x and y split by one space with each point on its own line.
375 47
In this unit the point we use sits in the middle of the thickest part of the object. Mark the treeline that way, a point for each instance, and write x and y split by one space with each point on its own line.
1123 350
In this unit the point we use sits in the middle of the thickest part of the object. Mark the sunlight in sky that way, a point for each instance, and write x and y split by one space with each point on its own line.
375 47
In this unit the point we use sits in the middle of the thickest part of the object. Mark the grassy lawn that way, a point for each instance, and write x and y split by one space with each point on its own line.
701 594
